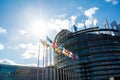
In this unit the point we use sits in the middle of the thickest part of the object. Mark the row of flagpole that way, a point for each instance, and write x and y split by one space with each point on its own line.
47 53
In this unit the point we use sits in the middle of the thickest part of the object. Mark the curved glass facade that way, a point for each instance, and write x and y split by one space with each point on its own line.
98 52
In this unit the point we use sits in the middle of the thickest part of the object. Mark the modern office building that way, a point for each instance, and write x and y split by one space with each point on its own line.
12 72
98 52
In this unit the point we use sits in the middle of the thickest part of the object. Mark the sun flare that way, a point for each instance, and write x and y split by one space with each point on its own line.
38 28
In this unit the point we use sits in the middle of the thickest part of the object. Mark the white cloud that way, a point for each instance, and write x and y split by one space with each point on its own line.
2 30
90 12
1 47
31 50
33 65
58 24
95 22
23 46
30 54
10 62
22 32
72 19
88 22
7 61
114 2
62 16
80 25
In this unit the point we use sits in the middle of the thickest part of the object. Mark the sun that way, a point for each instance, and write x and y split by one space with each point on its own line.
34 22
38 28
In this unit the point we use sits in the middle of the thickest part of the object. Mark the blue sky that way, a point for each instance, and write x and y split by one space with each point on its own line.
24 22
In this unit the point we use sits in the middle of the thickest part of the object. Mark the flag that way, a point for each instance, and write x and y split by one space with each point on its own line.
73 57
70 56
114 25
63 51
85 26
66 51
48 39
66 54
105 24
59 49
45 43
54 44
75 28
71 53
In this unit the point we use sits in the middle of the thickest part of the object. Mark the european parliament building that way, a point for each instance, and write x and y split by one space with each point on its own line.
98 52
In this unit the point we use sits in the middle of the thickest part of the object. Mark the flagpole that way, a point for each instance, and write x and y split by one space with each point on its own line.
51 68
47 59
43 63
38 61
55 69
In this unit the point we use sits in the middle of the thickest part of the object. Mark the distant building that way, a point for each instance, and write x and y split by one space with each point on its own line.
11 72
98 53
